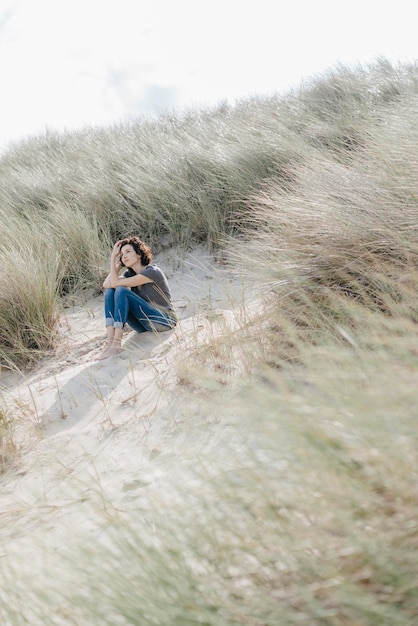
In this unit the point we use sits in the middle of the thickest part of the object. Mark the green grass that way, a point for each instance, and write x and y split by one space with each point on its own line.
191 178
289 499
283 488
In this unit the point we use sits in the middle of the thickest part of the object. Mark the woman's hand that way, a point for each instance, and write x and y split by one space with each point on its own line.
115 258
115 265
116 249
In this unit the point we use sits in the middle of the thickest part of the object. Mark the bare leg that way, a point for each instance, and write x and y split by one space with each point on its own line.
110 333
114 340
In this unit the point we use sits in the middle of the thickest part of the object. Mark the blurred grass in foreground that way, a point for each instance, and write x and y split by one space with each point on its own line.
289 498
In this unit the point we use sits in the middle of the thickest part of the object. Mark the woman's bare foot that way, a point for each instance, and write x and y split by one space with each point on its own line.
103 354
110 350
113 350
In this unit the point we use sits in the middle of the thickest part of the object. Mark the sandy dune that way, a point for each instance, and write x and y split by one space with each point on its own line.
88 429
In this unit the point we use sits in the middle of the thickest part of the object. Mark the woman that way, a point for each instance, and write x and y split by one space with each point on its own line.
139 297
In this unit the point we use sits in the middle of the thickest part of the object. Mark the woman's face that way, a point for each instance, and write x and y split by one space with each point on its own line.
128 256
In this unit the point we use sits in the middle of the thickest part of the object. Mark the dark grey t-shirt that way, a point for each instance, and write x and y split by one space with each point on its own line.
157 292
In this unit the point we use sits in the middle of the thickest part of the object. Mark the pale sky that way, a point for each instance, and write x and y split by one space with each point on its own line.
67 64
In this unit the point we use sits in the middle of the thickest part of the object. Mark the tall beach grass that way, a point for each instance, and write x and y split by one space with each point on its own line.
183 179
283 489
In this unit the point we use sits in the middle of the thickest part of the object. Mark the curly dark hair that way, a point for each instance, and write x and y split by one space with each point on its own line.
140 248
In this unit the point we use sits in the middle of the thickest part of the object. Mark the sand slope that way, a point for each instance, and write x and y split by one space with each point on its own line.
88 430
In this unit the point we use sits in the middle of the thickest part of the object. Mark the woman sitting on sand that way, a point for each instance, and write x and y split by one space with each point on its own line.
139 297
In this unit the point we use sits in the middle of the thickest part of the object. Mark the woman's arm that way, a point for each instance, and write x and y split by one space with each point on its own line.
129 281
115 266
106 282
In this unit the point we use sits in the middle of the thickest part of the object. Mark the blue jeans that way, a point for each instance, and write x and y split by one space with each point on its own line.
124 306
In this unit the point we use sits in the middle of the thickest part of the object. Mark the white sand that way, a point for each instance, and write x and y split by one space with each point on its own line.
91 430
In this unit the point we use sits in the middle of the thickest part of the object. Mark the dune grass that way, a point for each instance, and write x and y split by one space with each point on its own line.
289 498
185 179
286 491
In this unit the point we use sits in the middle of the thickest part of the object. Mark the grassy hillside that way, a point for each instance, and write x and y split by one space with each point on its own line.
65 198
290 479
